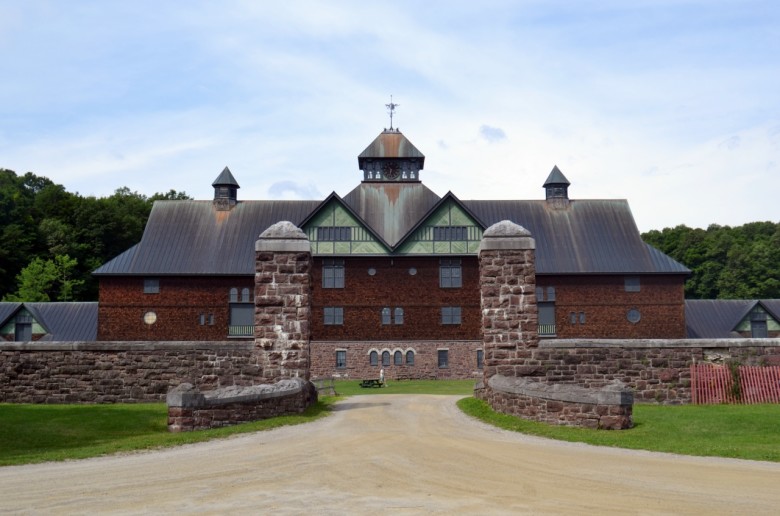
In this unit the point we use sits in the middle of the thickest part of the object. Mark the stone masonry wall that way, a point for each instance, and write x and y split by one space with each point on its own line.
119 372
283 302
189 409
461 363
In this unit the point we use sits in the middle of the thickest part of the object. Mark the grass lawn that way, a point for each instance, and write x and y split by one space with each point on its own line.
352 387
739 431
39 433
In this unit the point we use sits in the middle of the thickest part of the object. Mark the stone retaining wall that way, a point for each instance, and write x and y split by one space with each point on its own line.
609 408
190 409
111 372
658 371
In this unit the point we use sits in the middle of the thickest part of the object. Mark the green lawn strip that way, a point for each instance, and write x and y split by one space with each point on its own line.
352 387
738 431
40 433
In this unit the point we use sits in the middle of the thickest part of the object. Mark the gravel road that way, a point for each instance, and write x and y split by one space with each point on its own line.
392 454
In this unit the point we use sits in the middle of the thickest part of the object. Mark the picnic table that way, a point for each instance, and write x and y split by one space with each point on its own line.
372 382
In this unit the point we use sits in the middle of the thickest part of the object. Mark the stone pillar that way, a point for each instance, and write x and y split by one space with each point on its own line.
507 278
283 302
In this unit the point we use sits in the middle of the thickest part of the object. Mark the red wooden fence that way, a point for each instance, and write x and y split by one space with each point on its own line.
715 384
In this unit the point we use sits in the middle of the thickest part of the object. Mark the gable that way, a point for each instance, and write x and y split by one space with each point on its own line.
335 230
760 313
448 230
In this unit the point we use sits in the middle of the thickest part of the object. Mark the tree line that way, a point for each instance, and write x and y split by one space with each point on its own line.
726 262
53 239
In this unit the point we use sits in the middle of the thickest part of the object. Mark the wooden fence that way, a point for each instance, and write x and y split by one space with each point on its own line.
715 384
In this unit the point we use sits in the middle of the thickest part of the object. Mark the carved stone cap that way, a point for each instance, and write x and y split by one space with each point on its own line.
283 236
506 235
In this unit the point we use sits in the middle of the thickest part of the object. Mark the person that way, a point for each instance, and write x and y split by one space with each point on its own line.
382 376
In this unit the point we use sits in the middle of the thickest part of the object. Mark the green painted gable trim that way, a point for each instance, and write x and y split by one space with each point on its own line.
335 215
452 214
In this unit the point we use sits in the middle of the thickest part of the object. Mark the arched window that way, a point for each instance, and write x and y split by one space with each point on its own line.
245 295
410 357
385 358
398 358
385 315
373 358
399 316
234 295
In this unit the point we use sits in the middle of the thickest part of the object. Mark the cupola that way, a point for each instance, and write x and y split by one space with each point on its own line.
556 186
391 157
225 191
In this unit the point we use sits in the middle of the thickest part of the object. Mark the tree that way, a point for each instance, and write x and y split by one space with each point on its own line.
41 279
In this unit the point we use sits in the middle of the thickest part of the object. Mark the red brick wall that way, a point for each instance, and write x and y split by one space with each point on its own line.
392 286
462 359
178 306
605 303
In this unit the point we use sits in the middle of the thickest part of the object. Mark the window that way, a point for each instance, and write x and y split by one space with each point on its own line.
547 319
211 319
550 293
386 316
151 286
245 295
335 234
399 316
332 273
449 233
582 317
202 319
480 358
450 273
573 318
398 358
758 324
632 284
539 294
410 357
444 358
633 316
450 315
242 320
385 358
150 318
373 358
334 315
341 359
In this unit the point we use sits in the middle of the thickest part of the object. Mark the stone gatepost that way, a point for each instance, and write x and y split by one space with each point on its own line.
507 278
283 302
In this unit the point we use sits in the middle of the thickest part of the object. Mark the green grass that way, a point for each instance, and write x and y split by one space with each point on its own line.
352 387
739 431
40 433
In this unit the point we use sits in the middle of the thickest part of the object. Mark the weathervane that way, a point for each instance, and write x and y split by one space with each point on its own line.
391 107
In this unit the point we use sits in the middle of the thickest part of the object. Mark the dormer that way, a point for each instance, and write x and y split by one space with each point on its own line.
225 191
556 188
391 157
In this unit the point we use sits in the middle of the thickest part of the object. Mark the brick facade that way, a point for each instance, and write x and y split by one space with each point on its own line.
392 286
604 301
181 305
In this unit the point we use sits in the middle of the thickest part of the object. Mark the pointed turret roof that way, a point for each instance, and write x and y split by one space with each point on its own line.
556 177
391 144
225 178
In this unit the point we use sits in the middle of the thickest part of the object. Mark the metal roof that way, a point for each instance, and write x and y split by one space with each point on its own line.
225 178
193 238
391 209
717 318
75 321
586 237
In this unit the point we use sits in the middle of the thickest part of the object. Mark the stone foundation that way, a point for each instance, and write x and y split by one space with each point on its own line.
190 409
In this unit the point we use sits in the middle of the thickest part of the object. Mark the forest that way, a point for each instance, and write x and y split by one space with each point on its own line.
53 239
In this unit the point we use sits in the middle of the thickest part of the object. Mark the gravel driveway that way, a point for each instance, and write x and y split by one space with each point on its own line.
393 454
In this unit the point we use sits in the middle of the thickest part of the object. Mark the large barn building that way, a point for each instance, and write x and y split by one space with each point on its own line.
395 276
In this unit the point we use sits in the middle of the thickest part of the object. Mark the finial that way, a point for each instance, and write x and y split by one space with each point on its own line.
391 107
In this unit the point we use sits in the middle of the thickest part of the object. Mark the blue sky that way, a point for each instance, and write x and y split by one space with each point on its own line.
671 105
